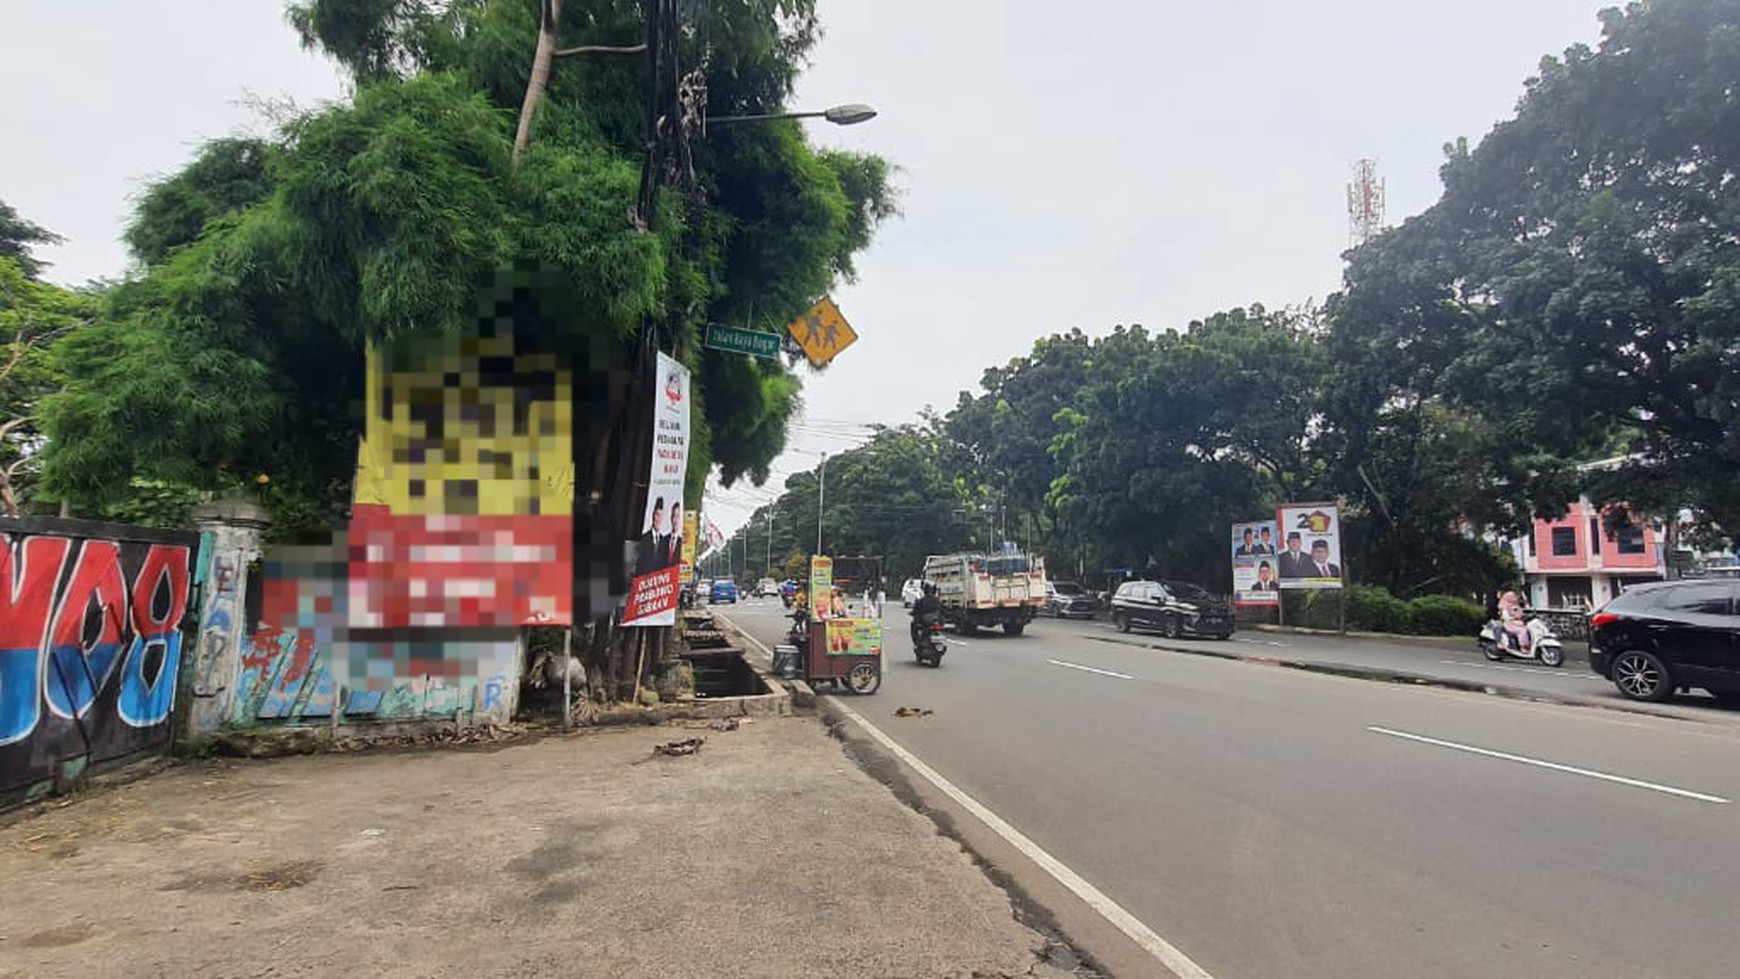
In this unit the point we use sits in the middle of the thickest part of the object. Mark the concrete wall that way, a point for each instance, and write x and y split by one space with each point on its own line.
306 659
90 646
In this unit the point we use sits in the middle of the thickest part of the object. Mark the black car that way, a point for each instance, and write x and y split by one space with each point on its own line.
1173 608
1658 638
1068 600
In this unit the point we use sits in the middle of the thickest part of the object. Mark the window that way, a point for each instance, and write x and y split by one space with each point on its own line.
1705 598
1564 542
1595 534
1631 540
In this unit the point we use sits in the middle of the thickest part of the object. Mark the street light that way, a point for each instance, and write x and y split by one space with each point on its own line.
848 114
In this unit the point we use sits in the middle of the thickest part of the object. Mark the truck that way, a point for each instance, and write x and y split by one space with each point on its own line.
982 591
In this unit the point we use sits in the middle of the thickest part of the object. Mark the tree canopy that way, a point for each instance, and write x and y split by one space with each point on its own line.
405 211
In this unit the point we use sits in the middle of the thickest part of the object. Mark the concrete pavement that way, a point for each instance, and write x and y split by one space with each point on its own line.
767 853
1277 822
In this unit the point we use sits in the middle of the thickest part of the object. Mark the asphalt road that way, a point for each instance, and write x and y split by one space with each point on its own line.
1274 822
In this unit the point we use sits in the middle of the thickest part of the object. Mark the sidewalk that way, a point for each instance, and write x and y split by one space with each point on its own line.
767 853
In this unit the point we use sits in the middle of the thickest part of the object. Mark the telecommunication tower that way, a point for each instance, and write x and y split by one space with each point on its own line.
1365 203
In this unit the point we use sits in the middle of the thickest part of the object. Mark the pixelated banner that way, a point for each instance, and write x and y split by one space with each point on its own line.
653 597
458 570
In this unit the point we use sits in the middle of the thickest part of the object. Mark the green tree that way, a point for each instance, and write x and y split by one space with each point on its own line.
404 212
34 317
1584 258
18 237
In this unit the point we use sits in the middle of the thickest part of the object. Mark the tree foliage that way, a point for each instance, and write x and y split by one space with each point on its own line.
34 316
403 212
18 237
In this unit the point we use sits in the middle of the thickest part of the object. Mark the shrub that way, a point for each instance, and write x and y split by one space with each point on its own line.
1372 609
1443 615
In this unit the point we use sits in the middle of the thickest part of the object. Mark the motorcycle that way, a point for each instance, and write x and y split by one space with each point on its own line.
928 644
1497 644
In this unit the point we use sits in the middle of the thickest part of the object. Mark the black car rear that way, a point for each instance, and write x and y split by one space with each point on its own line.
1658 638
1172 608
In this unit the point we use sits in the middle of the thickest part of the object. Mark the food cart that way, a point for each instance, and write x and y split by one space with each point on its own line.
838 640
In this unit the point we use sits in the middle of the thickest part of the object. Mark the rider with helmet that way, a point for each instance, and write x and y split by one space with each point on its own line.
924 610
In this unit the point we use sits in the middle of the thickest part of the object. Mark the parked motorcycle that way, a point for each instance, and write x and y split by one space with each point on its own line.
928 644
1497 643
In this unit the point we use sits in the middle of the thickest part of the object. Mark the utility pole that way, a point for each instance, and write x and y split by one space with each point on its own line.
768 567
821 496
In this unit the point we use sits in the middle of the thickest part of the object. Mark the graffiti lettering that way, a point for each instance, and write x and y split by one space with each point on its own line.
90 646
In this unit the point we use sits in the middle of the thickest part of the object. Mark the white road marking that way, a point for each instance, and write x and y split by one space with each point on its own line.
1507 668
1165 952
1555 766
1089 669
1262 642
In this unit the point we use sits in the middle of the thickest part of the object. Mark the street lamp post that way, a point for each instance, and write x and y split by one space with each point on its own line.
849 114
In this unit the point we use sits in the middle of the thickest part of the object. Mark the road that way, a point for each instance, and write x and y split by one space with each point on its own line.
1272 822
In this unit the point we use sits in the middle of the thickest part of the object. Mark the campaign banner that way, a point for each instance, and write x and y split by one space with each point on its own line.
1256 580
854 637
1310 556
822 596
652 599
690 520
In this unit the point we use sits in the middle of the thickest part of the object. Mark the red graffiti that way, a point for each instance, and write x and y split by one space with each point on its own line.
27 578
96 580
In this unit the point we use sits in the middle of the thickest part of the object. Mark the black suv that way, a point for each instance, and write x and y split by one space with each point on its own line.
1173 608
1068 600
1658 638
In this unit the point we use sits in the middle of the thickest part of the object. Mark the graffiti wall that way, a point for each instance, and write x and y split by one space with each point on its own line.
90 645
309 658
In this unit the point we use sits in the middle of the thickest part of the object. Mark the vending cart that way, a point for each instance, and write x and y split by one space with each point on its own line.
838 638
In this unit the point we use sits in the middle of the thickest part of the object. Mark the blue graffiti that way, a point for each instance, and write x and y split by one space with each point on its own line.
20 699
146 701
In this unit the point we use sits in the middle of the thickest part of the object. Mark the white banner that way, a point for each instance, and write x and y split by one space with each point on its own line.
652 600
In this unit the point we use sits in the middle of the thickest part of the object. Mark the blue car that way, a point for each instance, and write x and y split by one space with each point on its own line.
723 590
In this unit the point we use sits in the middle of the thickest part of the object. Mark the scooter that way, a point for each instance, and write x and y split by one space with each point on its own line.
928 644
1497 644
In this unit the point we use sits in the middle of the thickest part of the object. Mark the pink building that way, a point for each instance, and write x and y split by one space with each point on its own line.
1575 561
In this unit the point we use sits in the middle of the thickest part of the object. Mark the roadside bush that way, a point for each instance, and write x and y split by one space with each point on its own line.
1313 609
1372 609
1443 615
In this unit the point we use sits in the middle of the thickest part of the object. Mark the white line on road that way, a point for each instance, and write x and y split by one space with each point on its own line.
1089 669
1262 642
1555 766
1165 952
1506 667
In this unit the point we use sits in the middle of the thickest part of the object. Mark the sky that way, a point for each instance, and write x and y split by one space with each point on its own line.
1084 165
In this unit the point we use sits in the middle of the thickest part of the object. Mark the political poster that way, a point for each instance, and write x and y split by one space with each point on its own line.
1310 555
1255 577
690 526
653 597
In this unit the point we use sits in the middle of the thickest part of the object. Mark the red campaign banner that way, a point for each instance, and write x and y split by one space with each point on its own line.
449 570
653 599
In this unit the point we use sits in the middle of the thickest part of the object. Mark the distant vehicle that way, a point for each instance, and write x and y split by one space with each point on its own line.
766 587
1068 600
1657 638
980 591
910 591
723 590
1171 608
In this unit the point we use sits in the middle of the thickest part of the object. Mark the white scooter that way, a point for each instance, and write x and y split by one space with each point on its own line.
1498 644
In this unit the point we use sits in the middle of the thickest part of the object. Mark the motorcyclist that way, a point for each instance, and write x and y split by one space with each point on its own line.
926 609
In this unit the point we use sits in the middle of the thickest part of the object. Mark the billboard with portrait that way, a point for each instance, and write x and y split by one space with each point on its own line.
1310 551
1255 578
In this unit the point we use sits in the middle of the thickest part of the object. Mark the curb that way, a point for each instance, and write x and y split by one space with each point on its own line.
1371 673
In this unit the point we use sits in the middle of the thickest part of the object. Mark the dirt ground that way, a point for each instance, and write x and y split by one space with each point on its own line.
766 854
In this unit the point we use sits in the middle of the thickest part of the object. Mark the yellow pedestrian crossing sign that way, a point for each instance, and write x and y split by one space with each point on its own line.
822 332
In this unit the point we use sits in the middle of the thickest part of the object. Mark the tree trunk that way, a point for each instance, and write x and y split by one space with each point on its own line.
544 57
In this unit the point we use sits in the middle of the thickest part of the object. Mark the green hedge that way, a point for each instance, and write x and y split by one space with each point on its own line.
1374 609
1442 615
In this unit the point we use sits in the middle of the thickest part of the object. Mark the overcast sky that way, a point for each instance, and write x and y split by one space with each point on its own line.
1064 165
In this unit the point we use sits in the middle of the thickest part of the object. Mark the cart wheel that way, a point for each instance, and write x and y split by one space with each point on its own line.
862 678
